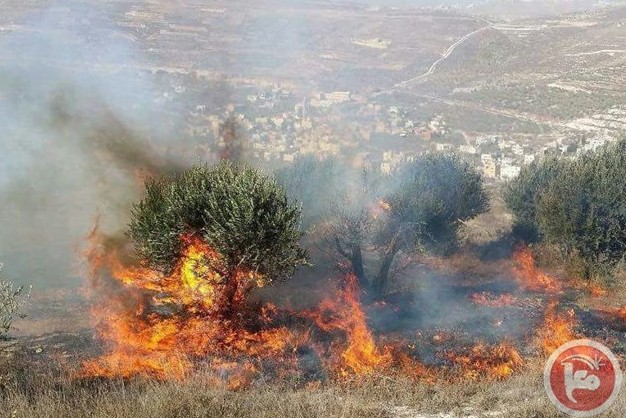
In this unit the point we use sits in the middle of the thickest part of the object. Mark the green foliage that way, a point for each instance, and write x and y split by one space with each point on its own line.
240 212
437 192
522 195
420 207
581 208
11 302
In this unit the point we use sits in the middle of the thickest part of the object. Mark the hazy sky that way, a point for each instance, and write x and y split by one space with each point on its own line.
411 2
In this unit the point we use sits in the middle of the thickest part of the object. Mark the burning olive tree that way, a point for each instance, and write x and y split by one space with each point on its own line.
239 212
375 221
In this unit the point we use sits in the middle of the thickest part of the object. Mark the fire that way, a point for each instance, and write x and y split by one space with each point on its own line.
616 316
360 355
168 325
379 208
557 328
163 325
530 277
593 289
158 324
616 312
493 362
493 301
384 205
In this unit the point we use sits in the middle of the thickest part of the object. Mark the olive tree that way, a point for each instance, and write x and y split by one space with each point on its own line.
434 195
577 205
238 211
522 195
420 207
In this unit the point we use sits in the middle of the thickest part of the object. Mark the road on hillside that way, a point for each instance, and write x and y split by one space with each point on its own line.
445 55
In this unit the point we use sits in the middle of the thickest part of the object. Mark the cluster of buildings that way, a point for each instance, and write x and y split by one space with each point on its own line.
276 125
279 125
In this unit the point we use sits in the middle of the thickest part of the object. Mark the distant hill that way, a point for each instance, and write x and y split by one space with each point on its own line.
499 8
538 8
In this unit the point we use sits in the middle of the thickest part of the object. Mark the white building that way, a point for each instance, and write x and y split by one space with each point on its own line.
509 171
468 149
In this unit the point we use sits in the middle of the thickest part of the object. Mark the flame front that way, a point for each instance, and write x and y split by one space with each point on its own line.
493 362
530 277
360 355
557 328
167 325
156 324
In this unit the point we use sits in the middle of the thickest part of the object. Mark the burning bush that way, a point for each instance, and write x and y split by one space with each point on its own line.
204 239
11 301
240 213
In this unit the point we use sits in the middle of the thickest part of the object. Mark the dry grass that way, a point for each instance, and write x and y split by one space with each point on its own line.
490 226
38 395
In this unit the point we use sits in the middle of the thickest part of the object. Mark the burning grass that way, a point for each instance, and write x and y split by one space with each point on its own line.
530 277
157 324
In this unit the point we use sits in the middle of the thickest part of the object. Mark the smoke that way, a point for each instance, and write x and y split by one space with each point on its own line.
79 126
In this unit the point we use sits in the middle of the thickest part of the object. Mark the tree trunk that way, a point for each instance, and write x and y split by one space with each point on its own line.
380 284
232 298
357 266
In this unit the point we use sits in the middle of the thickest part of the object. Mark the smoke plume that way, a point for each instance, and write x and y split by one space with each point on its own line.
80 124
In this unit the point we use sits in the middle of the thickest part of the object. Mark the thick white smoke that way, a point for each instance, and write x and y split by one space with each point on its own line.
79 120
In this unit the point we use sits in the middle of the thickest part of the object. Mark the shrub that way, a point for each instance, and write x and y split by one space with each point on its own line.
11 302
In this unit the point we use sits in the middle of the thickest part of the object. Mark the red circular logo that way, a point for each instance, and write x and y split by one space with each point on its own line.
582 378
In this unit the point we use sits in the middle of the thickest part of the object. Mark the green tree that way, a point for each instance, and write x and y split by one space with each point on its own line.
375 220
522 195
241 213
577 205
583 210
435 194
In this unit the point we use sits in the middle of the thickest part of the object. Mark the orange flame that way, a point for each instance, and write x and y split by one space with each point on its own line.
530 277
360 354
557 328
165 325
493 362
156 324
617 316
